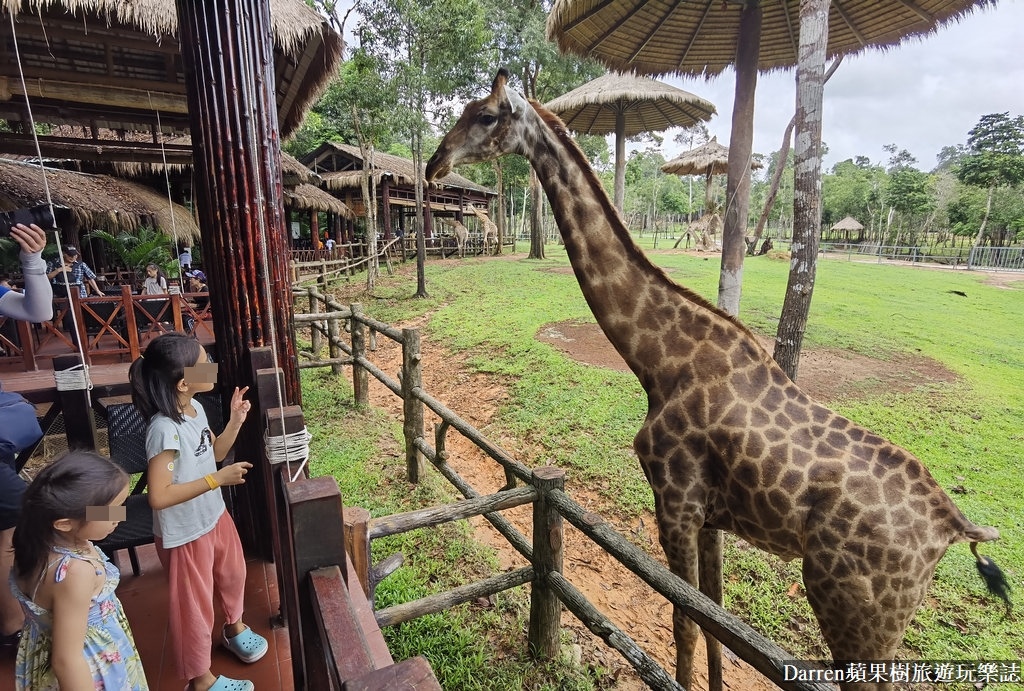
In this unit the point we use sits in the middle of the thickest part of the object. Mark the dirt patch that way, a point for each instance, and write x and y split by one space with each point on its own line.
825 374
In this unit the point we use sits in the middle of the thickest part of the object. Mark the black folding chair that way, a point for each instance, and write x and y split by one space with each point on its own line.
126 430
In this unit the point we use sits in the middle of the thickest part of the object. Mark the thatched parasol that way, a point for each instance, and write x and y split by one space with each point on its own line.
96 201
848 223
708 159
399 169
625 105
670 36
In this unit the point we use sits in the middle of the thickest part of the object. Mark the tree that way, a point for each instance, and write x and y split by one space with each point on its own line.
518 36
135 250
907 192
428 51
807 154
995 158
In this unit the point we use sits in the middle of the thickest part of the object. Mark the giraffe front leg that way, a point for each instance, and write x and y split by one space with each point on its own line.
709 545
680 547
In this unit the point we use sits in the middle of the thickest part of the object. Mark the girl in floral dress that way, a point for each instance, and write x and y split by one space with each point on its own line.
76 636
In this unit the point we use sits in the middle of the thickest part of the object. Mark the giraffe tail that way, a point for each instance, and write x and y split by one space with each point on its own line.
995 579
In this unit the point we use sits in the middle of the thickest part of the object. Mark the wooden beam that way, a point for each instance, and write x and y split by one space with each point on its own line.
95 149
96 93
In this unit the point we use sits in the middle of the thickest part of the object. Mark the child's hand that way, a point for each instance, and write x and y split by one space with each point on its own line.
233 474
239 406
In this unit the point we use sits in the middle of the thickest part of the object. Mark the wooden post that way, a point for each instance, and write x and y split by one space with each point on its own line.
317 537
333 350
78 418
412 407
357 543
360 377
315 340
251 504
545 607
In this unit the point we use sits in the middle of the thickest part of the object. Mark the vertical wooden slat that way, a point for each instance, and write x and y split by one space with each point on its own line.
228 60
412 407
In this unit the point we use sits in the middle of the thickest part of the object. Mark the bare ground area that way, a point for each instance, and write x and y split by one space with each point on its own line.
646 617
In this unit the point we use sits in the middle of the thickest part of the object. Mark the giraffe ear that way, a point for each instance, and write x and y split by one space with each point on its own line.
516 100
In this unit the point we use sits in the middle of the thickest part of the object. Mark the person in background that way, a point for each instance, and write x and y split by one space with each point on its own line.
195 282
156 281
79 273
330 245
185 259
19 428
76 634
35 304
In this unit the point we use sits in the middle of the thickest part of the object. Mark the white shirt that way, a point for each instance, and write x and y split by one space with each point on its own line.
192 444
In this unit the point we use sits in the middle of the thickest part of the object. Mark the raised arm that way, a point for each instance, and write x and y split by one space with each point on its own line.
36 303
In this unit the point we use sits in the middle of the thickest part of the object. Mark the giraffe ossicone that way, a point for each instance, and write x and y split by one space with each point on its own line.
729 442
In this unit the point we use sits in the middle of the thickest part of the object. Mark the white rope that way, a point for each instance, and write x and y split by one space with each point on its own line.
49 203
167 183
74 379
284 448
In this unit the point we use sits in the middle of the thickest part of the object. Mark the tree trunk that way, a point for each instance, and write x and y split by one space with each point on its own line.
421 241
741 142
984 221
806 184
536 223
500 220
780 166
620 159
368 188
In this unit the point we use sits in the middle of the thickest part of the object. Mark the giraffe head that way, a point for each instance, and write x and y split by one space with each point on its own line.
484 132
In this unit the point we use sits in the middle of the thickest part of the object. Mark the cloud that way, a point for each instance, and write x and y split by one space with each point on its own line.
921 95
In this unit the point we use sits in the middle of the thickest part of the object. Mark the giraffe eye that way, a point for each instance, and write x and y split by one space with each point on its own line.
486 119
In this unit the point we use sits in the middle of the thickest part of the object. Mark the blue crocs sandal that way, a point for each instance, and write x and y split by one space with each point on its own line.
225 684
247 646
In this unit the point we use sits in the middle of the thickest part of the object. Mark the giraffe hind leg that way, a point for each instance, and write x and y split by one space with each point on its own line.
858 623
709 546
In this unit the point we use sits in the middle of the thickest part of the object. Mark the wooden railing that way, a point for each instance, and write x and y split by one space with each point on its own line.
544 488
111 326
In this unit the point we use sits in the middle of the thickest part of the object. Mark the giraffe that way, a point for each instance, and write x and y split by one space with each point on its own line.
490 230
729 442
461 235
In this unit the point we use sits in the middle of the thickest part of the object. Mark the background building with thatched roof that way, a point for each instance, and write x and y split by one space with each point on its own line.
847 230
340 166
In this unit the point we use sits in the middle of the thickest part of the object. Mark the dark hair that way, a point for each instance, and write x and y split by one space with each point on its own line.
63 489
154 377
71 251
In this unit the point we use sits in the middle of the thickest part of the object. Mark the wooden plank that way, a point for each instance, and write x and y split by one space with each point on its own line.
413 674
346 654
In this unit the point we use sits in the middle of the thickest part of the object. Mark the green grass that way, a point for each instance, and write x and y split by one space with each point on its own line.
969 433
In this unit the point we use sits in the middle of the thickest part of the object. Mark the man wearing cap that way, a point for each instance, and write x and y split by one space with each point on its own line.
79 273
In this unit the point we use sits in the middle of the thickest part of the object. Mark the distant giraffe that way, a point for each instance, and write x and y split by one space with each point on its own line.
489 232
729 441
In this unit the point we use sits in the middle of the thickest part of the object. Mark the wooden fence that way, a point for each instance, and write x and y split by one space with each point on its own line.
543 487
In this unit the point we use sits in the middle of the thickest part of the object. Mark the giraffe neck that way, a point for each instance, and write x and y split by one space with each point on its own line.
649 318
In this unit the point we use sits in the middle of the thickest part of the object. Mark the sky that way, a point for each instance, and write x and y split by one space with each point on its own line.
921 95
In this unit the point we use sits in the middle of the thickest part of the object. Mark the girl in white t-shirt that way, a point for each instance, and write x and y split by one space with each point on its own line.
196 539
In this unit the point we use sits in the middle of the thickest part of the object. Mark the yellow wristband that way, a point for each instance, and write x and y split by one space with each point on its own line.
211 482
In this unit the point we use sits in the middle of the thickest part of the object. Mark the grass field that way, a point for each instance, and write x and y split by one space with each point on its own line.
969 433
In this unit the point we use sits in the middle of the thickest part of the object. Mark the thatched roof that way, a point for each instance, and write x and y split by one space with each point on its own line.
95 201
848 223
710 158
309 198
401 170
668 36
63 44
646 105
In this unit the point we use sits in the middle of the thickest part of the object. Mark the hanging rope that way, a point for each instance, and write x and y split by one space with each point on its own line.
49 202
170 201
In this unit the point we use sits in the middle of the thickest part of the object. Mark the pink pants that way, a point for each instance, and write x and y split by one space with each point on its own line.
212 565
